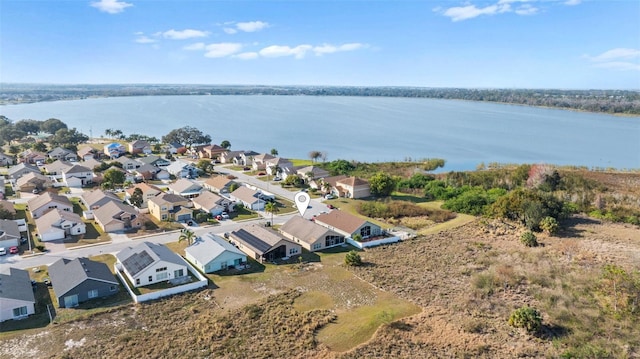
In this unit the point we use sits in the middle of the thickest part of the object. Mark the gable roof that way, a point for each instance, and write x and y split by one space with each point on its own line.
210 247
352 181
305 230
315 170
208 200
168 198
48 219
218 182
46 198
144 187
98 197
341 220
151 159
16 285
32 177
263 157
20 167
334 179
112 211
184 185
86 151
76 169
57 166
9 228
8 206
67 274
245 194
136 259
260 239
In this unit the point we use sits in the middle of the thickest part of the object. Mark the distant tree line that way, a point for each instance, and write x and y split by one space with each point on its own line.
607 101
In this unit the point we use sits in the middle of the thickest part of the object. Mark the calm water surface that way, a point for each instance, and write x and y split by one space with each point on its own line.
365 128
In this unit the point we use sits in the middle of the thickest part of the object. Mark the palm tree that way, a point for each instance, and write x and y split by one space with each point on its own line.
326 187
108 132
187 235
272 208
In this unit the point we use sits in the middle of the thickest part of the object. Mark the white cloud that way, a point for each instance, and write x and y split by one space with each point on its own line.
142 39
330 49
278 51
617 59
196 46
111 6
222 49
252 26
184 34
518 7
230 30
247 55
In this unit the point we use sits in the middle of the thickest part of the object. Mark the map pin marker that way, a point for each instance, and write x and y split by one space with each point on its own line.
302 202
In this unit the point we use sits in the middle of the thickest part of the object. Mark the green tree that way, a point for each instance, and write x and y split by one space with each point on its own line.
9 134
136 198
526 317
28 126
39 146
234 186
382 184
529 239
272 208
14 150
549 225
68 138
187 135
187 235
340 167
274 152
353 259
114 176
315 155
52 125
225 144
204 165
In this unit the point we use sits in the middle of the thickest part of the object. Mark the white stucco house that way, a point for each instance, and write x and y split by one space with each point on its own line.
212 253
149 263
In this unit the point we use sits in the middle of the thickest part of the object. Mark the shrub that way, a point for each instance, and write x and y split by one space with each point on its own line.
549 225
526 317
353 259
529 239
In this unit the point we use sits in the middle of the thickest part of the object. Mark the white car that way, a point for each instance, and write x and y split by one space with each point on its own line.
3 251
224 215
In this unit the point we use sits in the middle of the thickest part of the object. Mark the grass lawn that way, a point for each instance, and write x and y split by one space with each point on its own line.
242 214
301 162
93 235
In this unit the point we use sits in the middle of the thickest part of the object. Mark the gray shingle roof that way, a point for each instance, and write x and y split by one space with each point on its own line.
135 259
210 247
16 285
67 274
258 238
306 230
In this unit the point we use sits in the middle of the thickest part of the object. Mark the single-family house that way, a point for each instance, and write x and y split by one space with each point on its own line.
9 233
32 181
60 153
211 151
249 198
56 168
97 198
117 216
114 150
58 224
154 161
149 263
182 169
21 169
212 203
77 176
185 188
310 235
47 201
229 156
218 184
348 224
170 207
6 160
128 164
245 158
87 153
260 161
8 208
326 184
263 244
309 173
353 187
17 300
140 146
275 166
148 192
212 253
33 157
173 147
78 280
91 163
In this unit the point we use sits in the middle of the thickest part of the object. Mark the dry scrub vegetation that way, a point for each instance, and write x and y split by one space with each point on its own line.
466 280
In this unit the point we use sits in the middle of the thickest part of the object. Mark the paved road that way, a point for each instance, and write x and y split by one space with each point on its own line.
121 241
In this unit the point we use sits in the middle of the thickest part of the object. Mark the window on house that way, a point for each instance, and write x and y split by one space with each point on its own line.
161 269
317 246
113 288
365 231
137 281
162 276
19 312
92 293
293 250
164 217
150 278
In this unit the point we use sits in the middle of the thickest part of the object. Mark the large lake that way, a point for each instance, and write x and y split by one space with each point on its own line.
365 128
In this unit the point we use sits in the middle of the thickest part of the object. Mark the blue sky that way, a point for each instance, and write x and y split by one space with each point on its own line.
573 44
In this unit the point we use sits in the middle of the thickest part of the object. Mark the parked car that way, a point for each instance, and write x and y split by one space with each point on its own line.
329 196
3 252
330 206
261 174
224 215
14 250
246 168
